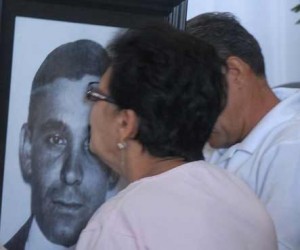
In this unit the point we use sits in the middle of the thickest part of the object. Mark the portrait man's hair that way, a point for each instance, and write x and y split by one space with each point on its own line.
72 61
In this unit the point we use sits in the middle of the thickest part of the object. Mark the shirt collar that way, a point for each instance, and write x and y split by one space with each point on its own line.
285 110
288 107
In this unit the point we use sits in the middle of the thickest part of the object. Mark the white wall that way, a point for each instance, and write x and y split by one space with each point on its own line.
273 24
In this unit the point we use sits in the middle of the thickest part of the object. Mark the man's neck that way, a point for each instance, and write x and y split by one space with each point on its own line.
261 101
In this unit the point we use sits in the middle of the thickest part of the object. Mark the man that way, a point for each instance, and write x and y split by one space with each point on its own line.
257 136
68 184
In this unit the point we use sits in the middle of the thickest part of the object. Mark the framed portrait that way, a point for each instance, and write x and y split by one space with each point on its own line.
34 34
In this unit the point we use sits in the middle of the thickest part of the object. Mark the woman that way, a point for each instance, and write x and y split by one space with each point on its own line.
156 106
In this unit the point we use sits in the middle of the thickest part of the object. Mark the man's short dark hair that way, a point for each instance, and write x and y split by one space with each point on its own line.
72 60
230 38
174 83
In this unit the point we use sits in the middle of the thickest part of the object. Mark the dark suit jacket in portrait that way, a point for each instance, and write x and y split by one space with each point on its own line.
18 241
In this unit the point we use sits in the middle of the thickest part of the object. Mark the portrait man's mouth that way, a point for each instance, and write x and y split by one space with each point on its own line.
67 205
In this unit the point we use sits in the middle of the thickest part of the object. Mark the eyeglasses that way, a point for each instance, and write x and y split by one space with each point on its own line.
94 94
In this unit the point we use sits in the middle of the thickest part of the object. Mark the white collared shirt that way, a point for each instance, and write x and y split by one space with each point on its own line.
37 240
268 159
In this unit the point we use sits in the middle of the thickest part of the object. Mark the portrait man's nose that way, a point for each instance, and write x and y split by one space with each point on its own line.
72 172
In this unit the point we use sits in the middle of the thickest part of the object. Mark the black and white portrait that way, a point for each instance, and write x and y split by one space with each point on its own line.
52 184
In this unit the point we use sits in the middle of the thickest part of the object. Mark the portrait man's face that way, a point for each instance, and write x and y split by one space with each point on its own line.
68 184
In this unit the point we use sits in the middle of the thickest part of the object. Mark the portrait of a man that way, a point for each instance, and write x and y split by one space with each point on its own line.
65 178
67 183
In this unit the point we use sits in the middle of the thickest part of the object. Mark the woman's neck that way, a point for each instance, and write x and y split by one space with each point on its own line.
151 166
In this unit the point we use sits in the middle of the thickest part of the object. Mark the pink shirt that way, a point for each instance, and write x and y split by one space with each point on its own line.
192 207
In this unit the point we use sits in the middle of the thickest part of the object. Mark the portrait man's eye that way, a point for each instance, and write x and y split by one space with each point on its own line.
57 140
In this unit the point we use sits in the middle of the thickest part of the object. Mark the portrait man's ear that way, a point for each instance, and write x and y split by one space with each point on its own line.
25 152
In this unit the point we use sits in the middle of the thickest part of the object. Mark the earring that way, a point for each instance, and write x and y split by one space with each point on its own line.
122 145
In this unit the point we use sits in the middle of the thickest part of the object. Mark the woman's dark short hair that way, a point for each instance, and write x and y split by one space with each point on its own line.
175 85
230 38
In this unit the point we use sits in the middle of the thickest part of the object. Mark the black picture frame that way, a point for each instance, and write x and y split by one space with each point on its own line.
118 13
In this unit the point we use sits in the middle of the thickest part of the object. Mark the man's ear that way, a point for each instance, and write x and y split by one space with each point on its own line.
128 124
237 70
25 152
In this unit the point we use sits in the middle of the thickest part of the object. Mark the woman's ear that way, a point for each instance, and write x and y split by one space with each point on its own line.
25 152
128 124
